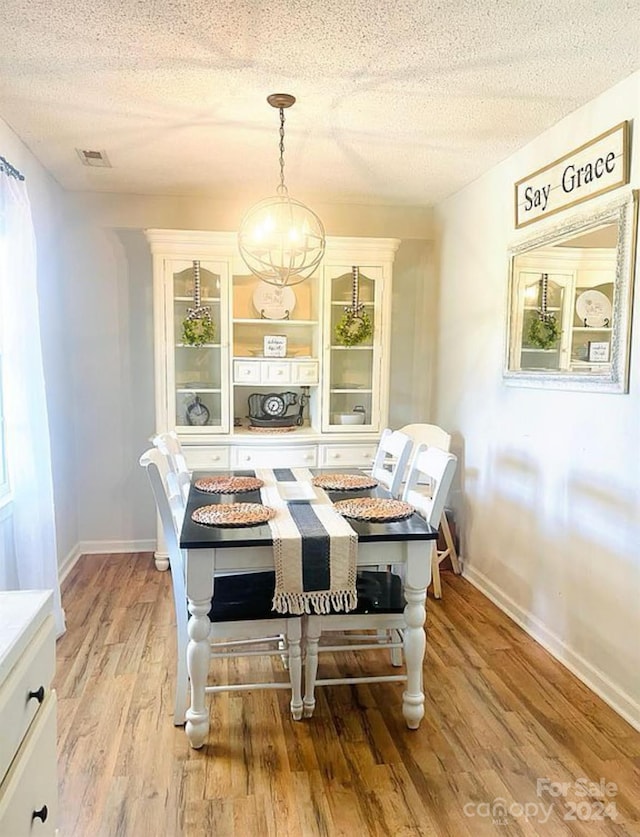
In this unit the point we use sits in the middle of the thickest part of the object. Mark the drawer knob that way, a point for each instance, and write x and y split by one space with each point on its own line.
42 814
39 696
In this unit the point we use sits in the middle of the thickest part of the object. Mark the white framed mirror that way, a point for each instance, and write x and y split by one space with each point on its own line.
570 298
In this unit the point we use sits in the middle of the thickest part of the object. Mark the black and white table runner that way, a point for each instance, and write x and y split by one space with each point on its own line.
314 548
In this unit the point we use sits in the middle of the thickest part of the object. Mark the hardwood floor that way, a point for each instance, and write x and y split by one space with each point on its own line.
504 724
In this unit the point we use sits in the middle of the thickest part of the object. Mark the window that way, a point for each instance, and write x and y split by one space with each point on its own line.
4 477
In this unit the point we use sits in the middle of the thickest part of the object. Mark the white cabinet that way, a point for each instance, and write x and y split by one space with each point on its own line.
28 774
214 395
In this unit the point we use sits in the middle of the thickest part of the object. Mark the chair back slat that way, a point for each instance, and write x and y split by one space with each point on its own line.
391 459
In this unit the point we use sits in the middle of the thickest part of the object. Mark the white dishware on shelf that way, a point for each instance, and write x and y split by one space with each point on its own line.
594 309
272 302
350 418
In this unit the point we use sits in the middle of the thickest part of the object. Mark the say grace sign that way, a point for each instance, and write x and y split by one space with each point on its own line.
596 167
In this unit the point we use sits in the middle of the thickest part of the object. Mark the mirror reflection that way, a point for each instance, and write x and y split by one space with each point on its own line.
569 304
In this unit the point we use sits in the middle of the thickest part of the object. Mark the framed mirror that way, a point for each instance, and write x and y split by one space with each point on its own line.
570 298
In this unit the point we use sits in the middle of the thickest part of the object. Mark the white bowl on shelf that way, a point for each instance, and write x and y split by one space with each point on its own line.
349 418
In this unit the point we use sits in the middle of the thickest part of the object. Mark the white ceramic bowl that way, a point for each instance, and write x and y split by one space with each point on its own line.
350 418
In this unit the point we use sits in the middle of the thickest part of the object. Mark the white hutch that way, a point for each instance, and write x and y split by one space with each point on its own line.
343 390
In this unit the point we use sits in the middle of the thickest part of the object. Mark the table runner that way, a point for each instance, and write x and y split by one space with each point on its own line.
314 549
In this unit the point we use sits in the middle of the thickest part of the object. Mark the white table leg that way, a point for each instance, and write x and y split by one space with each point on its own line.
418 576
199 588
161 555
198 657
414 649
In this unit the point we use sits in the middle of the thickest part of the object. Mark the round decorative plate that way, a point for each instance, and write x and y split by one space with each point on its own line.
594 309
272 302
374 509
233 514
228 485
344 482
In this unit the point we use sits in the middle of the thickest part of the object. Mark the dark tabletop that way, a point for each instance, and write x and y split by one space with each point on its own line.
195 535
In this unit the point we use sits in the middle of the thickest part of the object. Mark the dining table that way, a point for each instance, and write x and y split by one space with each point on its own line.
211 550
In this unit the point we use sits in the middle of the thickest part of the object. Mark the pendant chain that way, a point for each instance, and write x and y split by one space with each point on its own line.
282 189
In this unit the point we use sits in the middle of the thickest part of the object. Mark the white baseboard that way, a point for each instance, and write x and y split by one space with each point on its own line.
100 548
597 681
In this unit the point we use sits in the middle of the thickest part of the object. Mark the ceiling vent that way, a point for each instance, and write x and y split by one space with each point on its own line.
94 158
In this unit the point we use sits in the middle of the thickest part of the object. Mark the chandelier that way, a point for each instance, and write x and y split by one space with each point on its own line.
280 239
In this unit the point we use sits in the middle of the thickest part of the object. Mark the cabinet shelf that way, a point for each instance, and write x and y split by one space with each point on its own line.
197 389
358 390
345 303
202 346
204 300
592 329
273 323
351 348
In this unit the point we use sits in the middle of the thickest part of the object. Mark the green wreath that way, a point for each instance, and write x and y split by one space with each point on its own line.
197 332
353 329
543 333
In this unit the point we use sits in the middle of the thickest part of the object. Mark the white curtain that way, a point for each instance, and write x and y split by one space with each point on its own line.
26 419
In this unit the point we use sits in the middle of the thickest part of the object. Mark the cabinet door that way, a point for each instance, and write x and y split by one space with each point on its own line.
197 376
354 386
529 350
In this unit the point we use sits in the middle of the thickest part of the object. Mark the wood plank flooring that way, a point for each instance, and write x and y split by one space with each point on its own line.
502 716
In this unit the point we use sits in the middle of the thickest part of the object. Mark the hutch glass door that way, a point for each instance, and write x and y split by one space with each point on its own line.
198 370
352 372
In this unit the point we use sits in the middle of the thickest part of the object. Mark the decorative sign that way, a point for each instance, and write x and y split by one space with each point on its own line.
596 167
275 345
598 352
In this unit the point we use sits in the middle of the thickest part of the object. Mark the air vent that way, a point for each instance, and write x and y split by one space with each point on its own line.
94 158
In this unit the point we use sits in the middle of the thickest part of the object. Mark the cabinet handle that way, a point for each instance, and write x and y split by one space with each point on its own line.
247 458
39 696
42 814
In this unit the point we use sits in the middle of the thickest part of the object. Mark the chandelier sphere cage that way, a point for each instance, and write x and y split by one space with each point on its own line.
280 239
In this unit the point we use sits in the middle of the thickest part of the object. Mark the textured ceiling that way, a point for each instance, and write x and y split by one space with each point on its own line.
399 102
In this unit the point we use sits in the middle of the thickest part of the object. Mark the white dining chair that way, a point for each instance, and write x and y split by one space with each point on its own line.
243 623
434 436
391 459
169 445
381 600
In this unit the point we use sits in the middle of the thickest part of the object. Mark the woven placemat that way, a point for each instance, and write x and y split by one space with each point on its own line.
227 485
344 482
233 514
374 509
